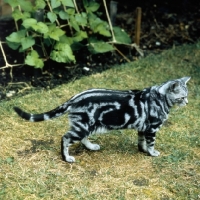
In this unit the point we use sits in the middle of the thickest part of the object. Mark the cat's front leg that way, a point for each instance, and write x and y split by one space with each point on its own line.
146 142
67 140
65 143
150 142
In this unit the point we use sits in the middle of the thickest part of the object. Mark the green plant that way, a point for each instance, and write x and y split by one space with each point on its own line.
56 30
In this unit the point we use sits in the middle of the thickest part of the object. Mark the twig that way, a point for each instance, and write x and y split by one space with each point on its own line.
76 7
154 19
138 49
7 64
115 41
122 54
22 90
109 21
20 83
138 25
130 45
27 87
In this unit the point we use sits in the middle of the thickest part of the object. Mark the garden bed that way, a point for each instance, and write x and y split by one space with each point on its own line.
164 25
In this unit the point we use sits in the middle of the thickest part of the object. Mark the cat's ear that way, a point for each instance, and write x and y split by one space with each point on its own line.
185 79
174 87
165 87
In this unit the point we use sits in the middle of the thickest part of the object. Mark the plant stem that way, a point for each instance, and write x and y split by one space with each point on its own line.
52 11
7 64
109 21
76 7
71 31
122 54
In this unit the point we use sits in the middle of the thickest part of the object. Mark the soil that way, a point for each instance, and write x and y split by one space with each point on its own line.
164 24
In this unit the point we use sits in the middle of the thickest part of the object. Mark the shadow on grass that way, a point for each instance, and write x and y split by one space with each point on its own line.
37 145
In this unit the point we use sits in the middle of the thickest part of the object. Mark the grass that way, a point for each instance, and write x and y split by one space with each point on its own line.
30 161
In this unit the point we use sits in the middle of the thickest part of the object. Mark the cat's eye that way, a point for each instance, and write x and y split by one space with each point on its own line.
180 99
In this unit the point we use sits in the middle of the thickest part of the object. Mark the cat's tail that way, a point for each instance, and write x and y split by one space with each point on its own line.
57 112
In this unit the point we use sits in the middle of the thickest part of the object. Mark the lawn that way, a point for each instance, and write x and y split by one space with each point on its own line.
30 160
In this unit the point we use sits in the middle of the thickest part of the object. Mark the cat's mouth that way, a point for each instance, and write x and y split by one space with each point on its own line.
181 104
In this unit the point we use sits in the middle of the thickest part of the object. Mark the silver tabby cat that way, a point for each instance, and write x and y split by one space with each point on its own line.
99 110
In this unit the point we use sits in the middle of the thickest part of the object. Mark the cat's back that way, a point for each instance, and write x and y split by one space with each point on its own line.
103 95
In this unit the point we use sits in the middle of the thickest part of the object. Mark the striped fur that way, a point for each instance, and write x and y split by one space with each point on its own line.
99 110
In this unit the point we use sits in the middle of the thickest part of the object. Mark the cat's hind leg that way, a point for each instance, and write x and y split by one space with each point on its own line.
89 145
142 146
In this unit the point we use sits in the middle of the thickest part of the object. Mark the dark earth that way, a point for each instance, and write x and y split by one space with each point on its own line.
164 24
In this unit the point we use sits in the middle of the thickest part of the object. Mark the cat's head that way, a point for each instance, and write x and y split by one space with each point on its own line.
176 91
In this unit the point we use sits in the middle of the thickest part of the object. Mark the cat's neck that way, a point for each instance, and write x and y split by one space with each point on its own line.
155 95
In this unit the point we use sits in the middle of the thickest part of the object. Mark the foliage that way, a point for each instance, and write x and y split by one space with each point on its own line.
59 29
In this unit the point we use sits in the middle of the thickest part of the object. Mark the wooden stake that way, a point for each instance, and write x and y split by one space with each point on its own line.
138 25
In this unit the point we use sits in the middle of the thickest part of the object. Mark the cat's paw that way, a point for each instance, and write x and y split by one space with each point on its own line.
70 159
142 148
153 152
93 147
89 145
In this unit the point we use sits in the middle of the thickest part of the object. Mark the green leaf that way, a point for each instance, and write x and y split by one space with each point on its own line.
13 45
40 27
81 19
16 36
62 53
39 4
27 42
52 16
63 15
27 23
121 36
12 3
100 47
10 160
55 3
70 11
54 32
98 26
74 24
68 3
25 5
33 59
65 39
103 29
79 36
16 14
91 6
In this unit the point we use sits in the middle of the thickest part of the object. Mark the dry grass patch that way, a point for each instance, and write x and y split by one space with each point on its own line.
30 161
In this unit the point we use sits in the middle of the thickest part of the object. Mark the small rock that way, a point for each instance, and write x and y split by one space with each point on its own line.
158 43
10 93
86 69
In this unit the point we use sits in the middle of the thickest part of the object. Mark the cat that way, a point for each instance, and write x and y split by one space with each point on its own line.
99 110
